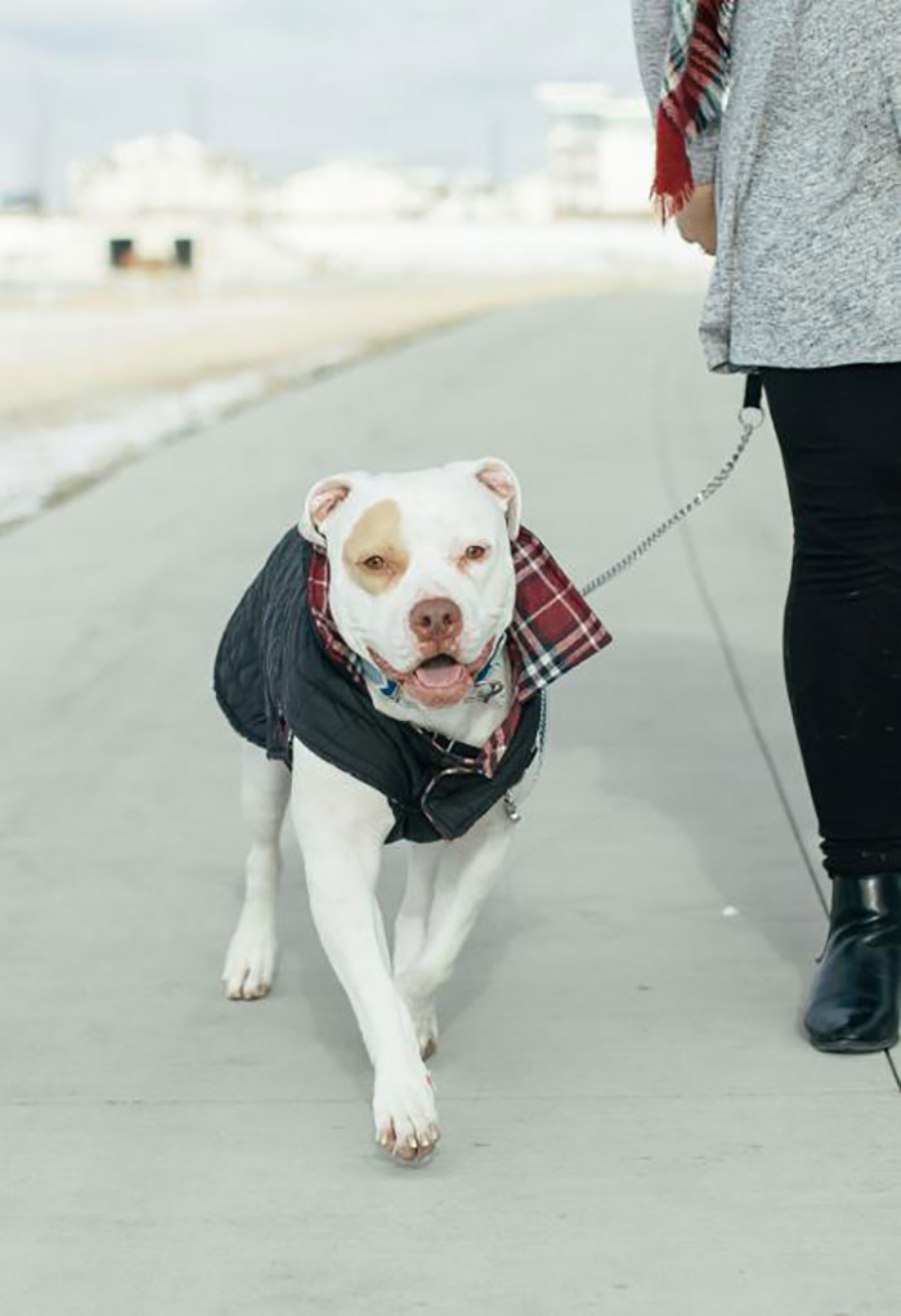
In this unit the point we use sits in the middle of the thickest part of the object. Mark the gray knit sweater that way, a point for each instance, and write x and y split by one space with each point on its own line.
807 169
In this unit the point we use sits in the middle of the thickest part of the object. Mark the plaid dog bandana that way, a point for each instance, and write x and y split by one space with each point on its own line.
694 88
553 630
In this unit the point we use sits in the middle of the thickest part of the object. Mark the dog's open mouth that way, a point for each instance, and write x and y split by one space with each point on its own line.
439 680
440 672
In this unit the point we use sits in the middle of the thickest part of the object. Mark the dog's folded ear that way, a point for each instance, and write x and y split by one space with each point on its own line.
321 501
499 479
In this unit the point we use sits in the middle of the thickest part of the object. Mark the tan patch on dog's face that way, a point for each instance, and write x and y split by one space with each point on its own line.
374 552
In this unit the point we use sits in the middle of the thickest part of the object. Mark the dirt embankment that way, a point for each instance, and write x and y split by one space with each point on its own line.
61 359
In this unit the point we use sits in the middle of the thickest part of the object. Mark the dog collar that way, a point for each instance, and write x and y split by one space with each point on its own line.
386 685
483 672
485 688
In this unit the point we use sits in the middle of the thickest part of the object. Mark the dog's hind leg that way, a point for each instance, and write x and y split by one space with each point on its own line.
250 961
413 915
423 862
467 874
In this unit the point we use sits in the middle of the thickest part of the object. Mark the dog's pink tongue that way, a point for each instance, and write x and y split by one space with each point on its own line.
441 676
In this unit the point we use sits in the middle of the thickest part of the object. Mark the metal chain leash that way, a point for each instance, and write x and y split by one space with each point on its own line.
750 418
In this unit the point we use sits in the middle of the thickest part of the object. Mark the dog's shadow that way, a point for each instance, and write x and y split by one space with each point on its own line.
653 726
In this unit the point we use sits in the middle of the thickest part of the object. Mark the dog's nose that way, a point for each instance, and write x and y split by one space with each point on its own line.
436 619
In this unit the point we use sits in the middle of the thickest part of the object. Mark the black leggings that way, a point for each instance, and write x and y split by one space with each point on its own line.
840 434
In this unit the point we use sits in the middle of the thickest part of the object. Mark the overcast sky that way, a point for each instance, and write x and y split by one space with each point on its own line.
292 82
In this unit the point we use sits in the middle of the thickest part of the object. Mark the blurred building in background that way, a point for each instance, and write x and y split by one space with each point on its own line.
599 151
157 195
347 190
168 205
167 174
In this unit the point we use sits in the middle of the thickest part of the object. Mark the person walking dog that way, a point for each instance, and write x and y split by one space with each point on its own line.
779 151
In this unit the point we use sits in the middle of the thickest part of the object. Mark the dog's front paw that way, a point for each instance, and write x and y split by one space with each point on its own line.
250 961
406 1119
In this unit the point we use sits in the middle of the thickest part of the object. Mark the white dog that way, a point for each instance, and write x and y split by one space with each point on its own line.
393 654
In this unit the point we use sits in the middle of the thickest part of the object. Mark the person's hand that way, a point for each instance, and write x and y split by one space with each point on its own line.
697 220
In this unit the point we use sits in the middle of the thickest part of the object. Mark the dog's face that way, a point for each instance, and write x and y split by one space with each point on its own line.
422 579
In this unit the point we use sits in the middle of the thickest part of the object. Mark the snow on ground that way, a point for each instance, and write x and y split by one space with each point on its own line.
40 465
67 250
637 252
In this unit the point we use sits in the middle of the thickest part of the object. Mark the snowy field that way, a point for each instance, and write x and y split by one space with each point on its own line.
58 251
91 377
41 464
634 250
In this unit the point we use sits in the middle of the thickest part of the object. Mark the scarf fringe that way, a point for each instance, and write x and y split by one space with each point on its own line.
694 86
673 182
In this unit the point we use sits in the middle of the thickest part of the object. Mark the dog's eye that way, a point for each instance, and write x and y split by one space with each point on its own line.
476 552
375 562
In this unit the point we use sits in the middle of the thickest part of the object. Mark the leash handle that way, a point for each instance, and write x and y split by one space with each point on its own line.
753 392
750 418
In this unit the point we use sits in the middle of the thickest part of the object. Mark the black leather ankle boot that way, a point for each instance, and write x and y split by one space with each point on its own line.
853 1005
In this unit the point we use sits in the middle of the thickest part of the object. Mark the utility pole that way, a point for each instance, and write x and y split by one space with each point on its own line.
196 107
497 163
42 144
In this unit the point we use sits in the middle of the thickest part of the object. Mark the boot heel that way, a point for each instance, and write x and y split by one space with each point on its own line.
853 1005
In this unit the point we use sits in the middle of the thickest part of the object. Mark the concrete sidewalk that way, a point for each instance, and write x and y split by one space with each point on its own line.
632 1124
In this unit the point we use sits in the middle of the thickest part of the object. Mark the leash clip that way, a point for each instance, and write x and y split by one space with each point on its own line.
486 692
513 813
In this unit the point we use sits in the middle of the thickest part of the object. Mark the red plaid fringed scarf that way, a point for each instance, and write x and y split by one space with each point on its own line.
694 87
553 630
